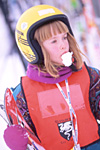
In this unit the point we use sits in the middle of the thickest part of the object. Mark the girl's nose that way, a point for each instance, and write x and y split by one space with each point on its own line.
62 45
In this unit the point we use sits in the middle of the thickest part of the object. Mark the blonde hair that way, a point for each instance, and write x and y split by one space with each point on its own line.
43 33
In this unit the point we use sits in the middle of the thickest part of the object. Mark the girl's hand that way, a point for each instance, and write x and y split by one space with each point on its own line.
16 137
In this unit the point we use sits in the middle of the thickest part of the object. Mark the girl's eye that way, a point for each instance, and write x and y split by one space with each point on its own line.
65 37
54 41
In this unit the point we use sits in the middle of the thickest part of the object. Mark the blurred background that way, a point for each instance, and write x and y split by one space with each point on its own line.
84 16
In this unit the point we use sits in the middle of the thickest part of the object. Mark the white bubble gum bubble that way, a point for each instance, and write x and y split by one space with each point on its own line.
67 59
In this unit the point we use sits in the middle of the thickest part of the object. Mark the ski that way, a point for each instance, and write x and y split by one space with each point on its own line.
14 117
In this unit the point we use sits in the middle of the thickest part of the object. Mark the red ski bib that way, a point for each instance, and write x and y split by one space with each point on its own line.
50 112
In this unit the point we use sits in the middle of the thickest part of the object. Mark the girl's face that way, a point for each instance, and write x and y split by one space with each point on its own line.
56 46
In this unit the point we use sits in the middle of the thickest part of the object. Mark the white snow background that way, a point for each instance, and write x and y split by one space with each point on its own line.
11 69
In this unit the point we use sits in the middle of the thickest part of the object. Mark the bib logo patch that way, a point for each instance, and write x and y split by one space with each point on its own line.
65 130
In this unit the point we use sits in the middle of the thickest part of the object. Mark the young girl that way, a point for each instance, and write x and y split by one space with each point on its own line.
59 96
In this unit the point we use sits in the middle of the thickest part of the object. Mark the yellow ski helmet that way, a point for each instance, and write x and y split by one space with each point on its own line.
29 21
